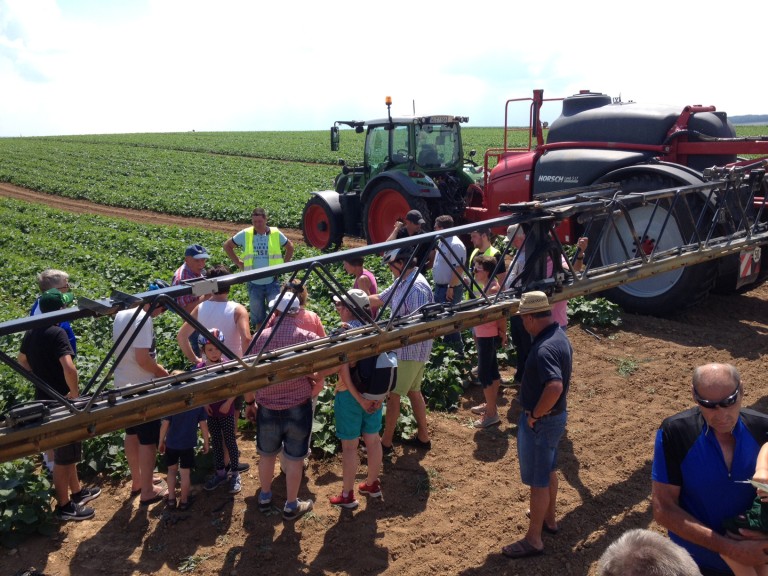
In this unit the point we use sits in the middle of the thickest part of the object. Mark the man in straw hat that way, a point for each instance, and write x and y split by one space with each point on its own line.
543 394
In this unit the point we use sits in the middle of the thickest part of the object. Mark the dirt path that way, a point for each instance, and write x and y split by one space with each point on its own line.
449 510
140 216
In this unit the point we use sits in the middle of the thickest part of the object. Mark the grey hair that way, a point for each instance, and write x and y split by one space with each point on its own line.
701 371
51 278
641 552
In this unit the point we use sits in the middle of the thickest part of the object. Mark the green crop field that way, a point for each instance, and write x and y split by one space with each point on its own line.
220 176
215 175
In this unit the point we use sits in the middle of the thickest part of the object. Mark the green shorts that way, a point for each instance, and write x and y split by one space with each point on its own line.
410 373
351 420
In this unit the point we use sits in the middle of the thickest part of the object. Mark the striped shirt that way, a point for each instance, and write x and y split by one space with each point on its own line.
291 392
420 294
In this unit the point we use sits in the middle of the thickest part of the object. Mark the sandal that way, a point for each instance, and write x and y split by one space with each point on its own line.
156 498
521 549
184 506
171 503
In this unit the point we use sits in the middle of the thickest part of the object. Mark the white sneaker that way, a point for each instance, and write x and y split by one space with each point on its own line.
303 506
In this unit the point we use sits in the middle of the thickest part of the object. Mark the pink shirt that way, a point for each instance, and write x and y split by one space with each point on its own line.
374 287
489 329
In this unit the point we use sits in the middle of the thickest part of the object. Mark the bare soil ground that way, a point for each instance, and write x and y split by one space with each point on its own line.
450 510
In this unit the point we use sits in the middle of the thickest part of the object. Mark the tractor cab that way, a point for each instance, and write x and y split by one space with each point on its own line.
409 163
430 143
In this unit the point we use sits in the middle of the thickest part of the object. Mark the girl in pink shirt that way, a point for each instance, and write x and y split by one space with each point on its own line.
487 337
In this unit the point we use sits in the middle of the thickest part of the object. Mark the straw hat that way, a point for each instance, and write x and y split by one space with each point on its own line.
532 302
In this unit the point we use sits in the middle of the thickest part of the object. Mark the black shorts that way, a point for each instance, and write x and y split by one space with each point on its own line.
69 454
184 457
148 432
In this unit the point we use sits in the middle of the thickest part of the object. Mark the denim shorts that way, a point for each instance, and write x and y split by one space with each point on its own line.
351 419
537 448
289 430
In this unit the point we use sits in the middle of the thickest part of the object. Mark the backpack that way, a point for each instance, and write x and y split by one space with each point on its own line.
375 377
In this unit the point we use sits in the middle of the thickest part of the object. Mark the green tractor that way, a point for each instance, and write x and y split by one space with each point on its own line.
410 163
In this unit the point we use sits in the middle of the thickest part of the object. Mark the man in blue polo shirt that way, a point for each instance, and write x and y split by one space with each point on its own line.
701 458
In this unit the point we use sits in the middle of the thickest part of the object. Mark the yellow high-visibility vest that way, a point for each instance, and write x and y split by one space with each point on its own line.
274 253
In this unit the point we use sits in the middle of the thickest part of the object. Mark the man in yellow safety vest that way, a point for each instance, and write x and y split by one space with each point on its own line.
262 246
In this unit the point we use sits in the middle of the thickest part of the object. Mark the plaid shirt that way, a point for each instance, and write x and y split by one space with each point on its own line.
183 273
291 392
419 295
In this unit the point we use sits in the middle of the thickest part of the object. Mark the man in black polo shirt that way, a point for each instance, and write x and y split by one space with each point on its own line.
542 421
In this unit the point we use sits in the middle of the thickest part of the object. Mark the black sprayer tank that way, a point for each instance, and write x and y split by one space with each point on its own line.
592 117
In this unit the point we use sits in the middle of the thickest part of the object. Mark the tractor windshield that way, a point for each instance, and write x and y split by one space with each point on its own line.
437 145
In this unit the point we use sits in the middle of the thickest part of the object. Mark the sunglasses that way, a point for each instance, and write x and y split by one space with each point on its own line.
712 404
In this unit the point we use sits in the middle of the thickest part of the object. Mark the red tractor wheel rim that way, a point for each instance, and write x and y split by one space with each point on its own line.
317 226
386 207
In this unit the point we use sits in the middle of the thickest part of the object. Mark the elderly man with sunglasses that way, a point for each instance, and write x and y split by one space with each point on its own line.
702 458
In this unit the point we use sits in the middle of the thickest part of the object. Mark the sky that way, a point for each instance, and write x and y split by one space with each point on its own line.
118 66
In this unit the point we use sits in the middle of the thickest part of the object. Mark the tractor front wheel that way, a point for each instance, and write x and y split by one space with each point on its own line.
322 224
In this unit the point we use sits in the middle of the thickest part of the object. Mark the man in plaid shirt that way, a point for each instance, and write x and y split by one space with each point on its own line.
404 299
284 415
195 259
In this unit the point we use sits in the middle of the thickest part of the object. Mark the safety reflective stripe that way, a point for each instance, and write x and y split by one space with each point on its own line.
274 253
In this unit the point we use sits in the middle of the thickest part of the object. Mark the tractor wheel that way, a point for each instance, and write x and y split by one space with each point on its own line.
388 202
664 293
322 224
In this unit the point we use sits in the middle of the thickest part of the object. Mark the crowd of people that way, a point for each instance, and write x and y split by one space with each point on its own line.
705 462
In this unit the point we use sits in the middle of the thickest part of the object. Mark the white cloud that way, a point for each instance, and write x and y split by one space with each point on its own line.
85 66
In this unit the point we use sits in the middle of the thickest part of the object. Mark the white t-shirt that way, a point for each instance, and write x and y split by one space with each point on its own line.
129 371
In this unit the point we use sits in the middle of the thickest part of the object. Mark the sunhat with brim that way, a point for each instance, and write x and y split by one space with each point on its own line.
288 303
532 302
359 297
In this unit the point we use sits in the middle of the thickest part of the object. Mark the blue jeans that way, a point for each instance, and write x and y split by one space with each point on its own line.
289 430
260 295
537 448
441 295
